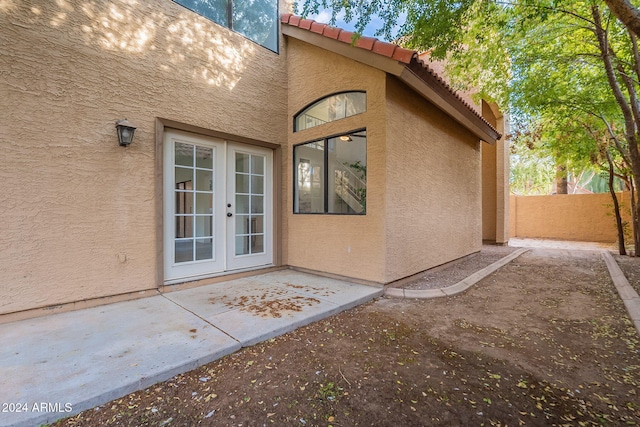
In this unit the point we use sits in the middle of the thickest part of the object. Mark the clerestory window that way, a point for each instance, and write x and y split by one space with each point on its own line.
255 19
331 175
333 107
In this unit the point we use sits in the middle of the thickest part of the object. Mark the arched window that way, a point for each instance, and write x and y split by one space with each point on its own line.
333 107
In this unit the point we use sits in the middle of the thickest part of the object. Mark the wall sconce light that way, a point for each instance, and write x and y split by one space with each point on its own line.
126 130
346 138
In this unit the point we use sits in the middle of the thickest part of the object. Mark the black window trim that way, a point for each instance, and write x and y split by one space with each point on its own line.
325 177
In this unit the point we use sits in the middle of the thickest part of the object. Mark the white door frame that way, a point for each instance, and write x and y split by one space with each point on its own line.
223 217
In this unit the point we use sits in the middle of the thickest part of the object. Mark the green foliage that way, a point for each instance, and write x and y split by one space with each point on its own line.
531 174
538 59
437 24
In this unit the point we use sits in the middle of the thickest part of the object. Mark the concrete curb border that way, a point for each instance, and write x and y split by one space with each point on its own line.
459 287
628 295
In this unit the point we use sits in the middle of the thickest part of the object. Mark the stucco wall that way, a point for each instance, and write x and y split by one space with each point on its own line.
495 178
78 211
348 245
433 186
579 217
489 182
489 199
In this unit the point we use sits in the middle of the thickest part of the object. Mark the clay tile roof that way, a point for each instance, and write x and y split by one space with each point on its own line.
408 57
369 43
317 27
306 24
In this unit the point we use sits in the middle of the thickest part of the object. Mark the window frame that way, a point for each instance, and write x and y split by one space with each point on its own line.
229 22
318 100
325 177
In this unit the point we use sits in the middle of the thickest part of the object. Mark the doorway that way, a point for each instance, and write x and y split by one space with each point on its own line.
218 206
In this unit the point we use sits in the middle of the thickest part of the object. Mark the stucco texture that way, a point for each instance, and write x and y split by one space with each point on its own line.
78 212
578 217
495 179
423 177
433 186
347 245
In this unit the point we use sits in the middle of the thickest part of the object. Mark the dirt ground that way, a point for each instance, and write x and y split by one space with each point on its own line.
543 341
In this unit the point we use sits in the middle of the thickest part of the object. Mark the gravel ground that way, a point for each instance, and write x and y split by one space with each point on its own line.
453 272
544 341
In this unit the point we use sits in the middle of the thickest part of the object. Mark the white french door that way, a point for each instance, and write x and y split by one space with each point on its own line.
249 207
217 206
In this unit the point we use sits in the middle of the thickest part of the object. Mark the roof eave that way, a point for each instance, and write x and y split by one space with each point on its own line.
410 72
367 57
426 86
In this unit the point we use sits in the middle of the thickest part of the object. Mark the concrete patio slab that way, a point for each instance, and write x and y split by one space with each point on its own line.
257 308
336 291
59 365
210 300
272 318
65 363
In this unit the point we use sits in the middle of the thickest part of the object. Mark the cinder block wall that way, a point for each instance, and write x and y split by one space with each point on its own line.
578 217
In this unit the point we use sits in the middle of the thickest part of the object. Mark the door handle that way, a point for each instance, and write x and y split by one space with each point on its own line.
229 214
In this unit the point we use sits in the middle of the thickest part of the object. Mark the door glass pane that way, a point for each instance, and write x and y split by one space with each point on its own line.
257 204
203 203
257 165
242 245
203 226
204 180
257 224
204 249
242 204
242 162
184 226
204 157
184 154
242 224
184 202
250 203
184 178
257 244
183 250
193 203
242 183
257 184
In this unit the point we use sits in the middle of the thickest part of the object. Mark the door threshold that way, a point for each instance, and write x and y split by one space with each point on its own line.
195 281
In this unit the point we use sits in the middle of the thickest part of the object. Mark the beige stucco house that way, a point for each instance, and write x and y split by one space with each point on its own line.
262 141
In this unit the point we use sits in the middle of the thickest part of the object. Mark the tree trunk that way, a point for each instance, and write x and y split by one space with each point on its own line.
561 180
629 121
616 208
634 218
626 13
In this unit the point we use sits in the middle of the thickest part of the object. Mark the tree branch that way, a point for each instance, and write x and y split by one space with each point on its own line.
626 13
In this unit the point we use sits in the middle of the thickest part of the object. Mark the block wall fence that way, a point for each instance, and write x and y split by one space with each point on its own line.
577 217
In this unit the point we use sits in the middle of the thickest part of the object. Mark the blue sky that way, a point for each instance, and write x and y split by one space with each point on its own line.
325 16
